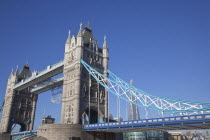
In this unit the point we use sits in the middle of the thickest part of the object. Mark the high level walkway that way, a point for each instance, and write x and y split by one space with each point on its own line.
50 71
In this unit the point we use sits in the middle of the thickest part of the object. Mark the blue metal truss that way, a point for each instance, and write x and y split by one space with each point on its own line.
125 91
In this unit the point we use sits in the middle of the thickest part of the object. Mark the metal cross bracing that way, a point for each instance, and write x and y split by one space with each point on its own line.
131 94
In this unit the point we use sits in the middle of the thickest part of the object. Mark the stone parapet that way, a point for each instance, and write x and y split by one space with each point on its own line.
71 132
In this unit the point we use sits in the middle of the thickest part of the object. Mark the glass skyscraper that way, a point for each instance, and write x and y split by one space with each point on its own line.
133 114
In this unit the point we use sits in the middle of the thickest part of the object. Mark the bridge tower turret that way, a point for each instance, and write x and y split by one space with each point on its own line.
78 86
19 106
5 120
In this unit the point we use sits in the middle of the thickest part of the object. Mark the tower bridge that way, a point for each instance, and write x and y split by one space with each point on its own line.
87 83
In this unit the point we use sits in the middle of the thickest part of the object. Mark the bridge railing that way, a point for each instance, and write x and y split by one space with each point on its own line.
38 74
24 132
57 64
19 135
146 121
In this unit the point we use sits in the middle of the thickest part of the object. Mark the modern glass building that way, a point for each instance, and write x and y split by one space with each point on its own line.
145 135
135 136
133 114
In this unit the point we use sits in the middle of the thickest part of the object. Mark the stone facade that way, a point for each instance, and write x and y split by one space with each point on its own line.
78 84
70 132
19 107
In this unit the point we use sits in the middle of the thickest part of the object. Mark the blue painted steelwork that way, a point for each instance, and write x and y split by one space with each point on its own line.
190 122
145 93
113 83
19 135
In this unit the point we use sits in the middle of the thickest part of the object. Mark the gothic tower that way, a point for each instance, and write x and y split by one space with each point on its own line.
83 97
19 106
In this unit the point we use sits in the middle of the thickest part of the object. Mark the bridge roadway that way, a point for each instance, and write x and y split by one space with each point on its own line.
49 72
201 121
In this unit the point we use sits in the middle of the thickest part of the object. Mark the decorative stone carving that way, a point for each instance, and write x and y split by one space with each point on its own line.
72 57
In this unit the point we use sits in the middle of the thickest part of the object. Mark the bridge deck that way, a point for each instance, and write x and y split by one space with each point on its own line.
168 123
40 76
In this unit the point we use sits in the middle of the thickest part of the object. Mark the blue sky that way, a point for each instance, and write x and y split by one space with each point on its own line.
162 45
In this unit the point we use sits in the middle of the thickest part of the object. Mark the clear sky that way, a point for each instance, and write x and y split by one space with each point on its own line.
163 45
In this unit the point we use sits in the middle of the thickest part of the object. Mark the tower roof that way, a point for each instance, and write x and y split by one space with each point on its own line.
25 72
87 34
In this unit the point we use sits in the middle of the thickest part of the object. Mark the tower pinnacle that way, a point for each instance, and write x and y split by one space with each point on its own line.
88 26
69 33
105 45
12 71
16 71
80 30
68 41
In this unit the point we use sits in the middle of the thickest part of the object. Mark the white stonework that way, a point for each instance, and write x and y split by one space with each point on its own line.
76 84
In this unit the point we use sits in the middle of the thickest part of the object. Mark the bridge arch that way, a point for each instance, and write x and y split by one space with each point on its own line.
20 126
93 116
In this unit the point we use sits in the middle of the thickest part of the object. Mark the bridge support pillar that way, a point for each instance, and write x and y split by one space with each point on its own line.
71 132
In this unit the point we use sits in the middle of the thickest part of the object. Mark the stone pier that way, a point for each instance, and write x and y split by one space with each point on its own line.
70 132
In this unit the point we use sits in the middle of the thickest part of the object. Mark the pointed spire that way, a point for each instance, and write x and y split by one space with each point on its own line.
26 65
68 41
12 71
80 30
16 71
88 26
69 33
105 45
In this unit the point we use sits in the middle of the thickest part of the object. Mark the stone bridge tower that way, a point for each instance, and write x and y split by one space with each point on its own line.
78 84
19 106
